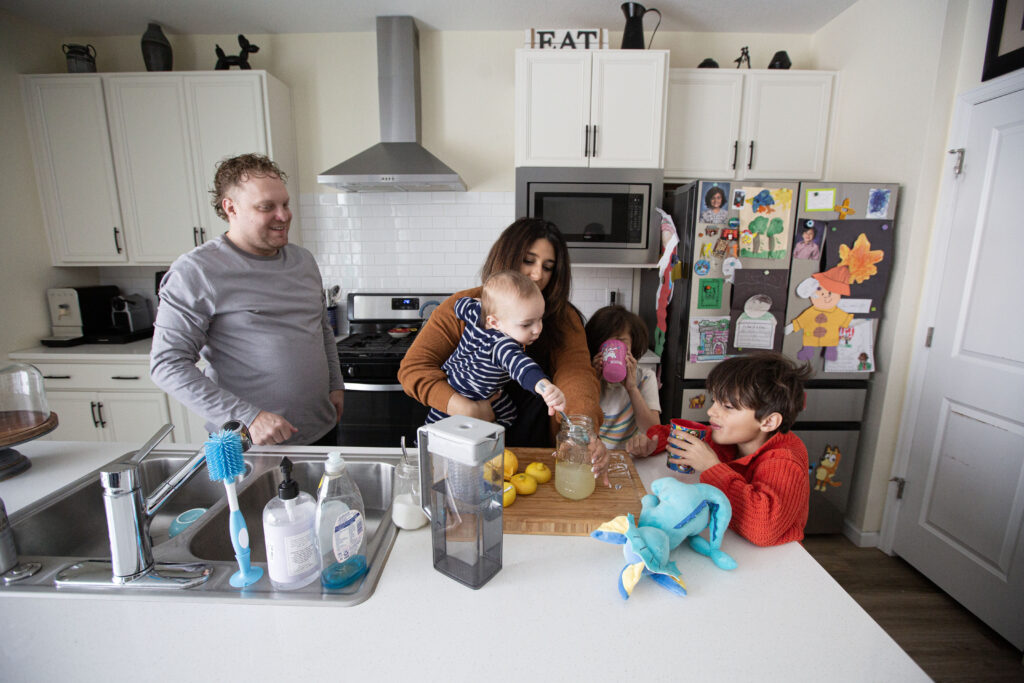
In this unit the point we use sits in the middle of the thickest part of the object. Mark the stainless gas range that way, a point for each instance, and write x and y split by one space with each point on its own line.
383 325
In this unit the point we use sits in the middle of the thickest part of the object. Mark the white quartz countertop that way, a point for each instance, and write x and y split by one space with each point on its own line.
552 613
132 351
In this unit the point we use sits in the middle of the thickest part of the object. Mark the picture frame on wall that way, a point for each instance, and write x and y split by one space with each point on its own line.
1004 51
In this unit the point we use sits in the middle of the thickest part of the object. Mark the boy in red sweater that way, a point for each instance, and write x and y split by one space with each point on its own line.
749 453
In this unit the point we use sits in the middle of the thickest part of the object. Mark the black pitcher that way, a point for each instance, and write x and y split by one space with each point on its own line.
633 34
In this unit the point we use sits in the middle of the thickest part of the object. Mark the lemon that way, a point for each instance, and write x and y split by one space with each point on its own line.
511 463
508 496
524 483
493 472
539 471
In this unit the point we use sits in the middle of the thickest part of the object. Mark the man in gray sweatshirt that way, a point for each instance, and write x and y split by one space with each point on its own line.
251 305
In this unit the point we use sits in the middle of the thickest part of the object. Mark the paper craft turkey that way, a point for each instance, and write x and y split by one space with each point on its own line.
821 322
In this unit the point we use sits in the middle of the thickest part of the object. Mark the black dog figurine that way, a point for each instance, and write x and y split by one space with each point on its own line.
241 61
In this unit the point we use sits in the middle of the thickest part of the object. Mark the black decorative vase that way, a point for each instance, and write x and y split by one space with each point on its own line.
156 51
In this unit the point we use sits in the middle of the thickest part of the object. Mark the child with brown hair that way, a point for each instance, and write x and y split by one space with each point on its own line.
749 452
632 406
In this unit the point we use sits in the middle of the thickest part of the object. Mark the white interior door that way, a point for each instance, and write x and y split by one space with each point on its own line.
961 522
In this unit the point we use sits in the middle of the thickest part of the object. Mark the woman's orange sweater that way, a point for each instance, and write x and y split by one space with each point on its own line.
571 371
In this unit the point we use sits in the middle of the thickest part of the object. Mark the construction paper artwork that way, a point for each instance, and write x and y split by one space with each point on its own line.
844 209
709 292
823 199
755 327
762 219
855 351
878 203
709 339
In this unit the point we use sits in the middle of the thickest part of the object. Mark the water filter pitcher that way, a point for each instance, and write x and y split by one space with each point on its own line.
461 471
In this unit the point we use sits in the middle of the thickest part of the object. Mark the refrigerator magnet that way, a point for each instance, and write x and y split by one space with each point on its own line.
729 268
709 292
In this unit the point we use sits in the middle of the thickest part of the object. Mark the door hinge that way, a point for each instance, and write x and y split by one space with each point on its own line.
958 166
928 338
900 483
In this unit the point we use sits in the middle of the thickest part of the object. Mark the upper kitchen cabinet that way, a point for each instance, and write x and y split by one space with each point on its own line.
166 132
70 143
764 124
598 108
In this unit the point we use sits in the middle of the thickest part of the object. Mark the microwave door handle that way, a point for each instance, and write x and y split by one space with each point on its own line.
586 140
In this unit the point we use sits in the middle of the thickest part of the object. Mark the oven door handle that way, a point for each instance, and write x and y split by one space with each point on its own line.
353 386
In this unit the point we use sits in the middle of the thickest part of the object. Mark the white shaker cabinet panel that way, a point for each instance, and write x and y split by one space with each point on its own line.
627 114
786 124
552 108
739 124
226 118
597 108
74 168
76 416
149 134
702 133
132 417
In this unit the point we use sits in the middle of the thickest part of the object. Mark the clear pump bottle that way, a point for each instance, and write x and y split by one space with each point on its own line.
340 523
289 526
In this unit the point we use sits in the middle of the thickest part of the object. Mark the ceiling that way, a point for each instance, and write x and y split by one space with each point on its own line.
126 17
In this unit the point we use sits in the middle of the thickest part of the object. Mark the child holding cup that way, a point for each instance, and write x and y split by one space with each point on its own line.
749 452
616 337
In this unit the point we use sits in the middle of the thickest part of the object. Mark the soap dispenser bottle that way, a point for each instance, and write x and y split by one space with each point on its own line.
289 526
340 522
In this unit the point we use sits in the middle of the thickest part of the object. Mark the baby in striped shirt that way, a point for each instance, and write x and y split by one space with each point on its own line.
507 317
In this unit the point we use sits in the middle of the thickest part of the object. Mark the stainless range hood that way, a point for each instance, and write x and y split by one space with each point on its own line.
399 163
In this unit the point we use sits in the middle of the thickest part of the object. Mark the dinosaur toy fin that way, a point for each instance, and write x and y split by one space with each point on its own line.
629 577
612 531
670 583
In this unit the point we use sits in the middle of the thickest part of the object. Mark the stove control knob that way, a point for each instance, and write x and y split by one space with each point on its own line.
350 371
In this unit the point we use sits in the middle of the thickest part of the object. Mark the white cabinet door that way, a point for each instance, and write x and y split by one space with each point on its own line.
785 124
702 133
132 417
76 416
627 110
552 107
74 170
226 118
150 138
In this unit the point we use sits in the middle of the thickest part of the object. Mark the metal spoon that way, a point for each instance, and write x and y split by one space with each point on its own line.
576 432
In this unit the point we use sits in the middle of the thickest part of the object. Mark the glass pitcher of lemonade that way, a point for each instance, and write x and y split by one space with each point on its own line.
573 476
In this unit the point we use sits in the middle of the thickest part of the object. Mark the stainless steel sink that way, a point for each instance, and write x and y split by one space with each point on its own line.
69 527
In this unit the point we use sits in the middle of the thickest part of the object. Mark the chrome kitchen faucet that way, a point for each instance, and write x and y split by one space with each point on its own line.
128 518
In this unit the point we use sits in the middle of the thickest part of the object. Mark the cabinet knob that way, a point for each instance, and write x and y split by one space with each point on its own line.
117 241
586 140
56 376
750 156
735 152
124 377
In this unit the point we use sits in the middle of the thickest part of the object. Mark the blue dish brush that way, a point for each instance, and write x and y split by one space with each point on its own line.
224 463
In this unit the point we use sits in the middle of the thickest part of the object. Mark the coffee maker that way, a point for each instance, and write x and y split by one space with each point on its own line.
96 315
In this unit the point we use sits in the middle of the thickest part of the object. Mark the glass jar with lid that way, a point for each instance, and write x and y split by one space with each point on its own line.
574 477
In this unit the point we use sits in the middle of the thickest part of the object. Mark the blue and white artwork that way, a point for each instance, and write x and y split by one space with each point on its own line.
878 203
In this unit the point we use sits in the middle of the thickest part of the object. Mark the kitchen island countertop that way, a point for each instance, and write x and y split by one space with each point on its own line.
552 613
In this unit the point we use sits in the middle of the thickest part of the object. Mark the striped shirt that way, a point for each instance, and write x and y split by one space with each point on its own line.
483 361
619 419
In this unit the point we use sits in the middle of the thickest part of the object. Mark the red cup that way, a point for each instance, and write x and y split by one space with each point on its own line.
695 428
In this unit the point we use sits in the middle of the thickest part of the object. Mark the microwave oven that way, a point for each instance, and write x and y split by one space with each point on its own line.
607 215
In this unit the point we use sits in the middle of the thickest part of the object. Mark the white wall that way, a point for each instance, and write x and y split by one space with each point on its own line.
25 270
901 64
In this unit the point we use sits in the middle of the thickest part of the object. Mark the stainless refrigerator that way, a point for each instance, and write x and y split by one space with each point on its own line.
757 266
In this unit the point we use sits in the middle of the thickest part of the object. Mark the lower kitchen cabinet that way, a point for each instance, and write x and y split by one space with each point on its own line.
107 415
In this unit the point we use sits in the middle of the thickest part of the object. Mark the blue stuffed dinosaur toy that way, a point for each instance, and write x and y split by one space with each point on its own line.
671 513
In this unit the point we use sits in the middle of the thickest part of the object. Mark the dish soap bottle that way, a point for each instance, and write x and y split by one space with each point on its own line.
340 523
289 526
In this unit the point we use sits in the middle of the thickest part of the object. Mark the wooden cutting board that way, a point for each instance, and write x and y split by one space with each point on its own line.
547 512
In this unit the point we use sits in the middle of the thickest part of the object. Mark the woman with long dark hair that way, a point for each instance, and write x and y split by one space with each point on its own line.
536 248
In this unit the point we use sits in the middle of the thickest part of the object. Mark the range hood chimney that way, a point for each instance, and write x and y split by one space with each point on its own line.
399 163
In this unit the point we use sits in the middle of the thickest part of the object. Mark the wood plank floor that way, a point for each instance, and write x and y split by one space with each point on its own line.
945 640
